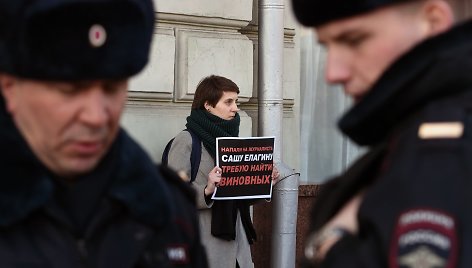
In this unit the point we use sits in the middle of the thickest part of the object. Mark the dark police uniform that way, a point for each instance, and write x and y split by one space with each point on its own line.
144 218
126 212
417 175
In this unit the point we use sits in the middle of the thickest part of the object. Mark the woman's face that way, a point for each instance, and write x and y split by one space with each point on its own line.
226 108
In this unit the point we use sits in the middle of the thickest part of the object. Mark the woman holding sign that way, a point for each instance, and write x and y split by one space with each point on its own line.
225 225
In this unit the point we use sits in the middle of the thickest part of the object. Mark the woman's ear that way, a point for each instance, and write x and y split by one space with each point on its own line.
439 16
207 106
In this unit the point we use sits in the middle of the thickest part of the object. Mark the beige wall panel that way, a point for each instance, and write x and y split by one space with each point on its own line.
152 127
291 80
201 53
291 94
158 76
291 142
289 18
228 9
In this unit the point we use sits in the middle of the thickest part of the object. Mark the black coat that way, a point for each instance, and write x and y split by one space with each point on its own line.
145 217
417 205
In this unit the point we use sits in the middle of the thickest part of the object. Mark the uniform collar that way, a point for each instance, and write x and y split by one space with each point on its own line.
433 69
24 184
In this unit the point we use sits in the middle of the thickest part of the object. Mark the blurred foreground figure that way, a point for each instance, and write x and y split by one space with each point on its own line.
75 189
406 203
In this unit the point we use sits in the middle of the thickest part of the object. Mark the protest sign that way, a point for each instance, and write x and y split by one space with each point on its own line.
247 165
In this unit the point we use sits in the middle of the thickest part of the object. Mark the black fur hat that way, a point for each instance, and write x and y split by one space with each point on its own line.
318 12
75 39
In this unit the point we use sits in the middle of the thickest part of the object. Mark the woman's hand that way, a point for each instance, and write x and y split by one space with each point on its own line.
275 175
214 178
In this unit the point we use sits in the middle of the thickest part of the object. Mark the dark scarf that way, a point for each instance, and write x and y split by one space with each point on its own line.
208 127
224 213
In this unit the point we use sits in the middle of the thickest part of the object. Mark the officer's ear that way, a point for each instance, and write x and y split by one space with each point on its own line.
438 15
7 84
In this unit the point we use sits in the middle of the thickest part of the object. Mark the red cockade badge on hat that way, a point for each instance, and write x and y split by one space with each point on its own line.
97 35
424 238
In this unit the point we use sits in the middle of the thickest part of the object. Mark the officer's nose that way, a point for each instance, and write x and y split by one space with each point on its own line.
337 68
95 110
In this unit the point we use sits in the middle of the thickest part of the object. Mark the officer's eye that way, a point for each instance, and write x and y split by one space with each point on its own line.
355 40
115 85
66 88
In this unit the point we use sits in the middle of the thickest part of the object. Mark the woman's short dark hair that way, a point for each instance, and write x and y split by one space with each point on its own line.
210 89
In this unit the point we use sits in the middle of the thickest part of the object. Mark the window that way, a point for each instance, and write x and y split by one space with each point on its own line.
324 151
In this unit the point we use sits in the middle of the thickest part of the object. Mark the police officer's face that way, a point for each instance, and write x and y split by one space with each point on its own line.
69 126
360 49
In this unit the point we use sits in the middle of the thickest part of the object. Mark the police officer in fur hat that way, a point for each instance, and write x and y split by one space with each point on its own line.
407 201
75 189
